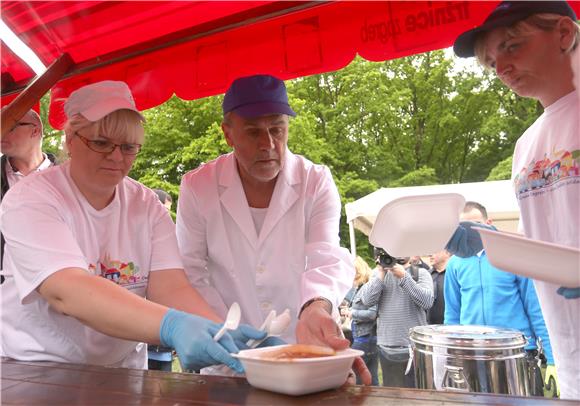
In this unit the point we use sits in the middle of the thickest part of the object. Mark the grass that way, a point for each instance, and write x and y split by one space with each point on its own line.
176 365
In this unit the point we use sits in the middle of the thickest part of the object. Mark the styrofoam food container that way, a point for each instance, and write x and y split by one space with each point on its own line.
417 225
297 376
534 259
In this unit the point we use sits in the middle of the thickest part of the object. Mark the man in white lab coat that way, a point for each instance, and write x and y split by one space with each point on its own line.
259 226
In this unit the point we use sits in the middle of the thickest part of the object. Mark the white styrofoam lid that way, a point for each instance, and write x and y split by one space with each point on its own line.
417 225
534 259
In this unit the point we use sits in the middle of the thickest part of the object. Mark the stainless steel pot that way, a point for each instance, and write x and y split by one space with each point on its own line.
470 359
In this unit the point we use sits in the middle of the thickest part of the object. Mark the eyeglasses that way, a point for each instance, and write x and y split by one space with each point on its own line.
107 147
20 125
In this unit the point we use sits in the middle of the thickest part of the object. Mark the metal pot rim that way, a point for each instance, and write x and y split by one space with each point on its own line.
467 337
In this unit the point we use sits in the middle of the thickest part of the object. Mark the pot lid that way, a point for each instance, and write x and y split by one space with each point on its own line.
468 336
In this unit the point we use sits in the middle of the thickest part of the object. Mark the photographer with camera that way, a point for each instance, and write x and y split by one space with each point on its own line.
403 293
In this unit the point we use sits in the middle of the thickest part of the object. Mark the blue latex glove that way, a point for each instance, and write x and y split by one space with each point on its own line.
569 293
192 338
243 333
466 241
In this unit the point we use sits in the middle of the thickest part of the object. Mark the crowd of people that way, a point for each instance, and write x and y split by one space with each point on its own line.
259 226
386 303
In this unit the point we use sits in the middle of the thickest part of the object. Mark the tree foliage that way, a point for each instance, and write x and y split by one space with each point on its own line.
502 171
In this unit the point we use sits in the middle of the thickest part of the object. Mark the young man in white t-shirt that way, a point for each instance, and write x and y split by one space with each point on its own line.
530 44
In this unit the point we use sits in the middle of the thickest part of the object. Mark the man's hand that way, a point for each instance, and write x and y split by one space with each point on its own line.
359 368
345 312
398 270
316 326
381 272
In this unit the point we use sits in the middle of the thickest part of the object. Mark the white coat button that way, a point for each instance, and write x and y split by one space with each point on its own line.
261 269
265 305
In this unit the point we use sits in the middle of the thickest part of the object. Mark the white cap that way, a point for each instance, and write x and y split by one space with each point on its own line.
96 100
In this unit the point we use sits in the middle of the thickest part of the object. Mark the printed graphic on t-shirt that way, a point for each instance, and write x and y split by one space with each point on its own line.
554 170
122 273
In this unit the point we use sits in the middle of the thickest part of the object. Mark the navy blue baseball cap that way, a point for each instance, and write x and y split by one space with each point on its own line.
506 14
257 96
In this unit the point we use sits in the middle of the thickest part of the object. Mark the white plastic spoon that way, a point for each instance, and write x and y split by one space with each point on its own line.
277 327
264 327
280 323
232 321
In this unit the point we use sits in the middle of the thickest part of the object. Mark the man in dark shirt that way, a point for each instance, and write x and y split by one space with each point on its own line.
436 313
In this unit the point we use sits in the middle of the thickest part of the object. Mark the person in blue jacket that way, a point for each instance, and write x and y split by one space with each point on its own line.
478 293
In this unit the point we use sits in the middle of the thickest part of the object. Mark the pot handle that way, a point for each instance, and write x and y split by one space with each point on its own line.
454 379
410 362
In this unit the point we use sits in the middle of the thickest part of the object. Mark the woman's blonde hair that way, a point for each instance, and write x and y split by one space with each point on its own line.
541 21
363 271
125 124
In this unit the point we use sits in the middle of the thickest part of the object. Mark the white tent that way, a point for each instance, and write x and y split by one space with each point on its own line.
498 197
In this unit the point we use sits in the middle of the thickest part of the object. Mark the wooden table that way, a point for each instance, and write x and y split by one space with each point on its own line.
48 383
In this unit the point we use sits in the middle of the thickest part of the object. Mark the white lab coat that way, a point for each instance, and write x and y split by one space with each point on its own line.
295 257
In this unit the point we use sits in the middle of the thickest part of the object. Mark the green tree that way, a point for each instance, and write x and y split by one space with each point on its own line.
502 170
52 141
419 177
180 135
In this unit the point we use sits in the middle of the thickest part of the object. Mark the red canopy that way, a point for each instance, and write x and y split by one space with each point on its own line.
196 48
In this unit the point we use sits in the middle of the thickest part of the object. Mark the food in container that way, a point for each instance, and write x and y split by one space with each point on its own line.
280 369
297 351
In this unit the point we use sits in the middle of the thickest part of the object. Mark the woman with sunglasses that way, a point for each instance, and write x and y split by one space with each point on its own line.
92 263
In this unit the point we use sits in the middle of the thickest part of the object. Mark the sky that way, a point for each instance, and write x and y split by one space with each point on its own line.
462 64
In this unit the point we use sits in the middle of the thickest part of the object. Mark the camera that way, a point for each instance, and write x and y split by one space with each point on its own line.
385 260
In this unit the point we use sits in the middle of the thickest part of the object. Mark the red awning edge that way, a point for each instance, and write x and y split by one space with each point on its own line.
195 49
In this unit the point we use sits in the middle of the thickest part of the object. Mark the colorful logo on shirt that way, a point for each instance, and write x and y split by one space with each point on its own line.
122 273
557 167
